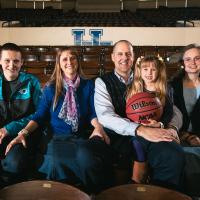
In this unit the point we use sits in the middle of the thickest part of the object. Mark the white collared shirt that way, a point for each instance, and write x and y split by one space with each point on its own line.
130 79
110 119
106 112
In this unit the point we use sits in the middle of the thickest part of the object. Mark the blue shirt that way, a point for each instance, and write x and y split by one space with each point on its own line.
46 116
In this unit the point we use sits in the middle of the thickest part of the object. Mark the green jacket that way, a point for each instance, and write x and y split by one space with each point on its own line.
15 114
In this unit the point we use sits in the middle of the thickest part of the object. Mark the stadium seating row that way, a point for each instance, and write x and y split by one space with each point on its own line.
95 60
159 17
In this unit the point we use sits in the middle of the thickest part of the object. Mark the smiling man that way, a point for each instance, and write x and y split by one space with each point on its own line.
19 96
165 157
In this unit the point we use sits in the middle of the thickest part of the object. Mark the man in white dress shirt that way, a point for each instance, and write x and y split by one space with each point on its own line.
165 157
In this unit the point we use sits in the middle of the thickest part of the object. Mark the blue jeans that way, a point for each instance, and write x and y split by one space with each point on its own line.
166 159
19 161
73 159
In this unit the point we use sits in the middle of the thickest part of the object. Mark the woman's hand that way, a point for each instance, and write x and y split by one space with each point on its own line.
191 139
101 133
19 139
194 141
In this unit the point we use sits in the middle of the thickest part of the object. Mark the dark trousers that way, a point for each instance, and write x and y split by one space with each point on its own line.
192 171
19 161
166 159
73 159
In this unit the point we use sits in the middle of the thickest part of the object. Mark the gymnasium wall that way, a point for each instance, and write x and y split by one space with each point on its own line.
98 36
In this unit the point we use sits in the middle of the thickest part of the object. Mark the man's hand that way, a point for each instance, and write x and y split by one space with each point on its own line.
155 134
3 134
19 139
175 135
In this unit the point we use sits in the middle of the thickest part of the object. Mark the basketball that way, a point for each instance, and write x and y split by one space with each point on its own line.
144 106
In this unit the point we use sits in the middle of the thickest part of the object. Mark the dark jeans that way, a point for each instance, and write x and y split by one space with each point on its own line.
166 159
19 161
192 171
73 159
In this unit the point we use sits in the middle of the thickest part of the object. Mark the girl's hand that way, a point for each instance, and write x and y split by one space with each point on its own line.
152 123
19 139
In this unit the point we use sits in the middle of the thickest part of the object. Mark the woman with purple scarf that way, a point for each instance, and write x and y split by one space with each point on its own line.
65 112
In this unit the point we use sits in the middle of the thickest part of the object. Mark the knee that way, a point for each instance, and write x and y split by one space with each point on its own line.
170 153
85 158
15 161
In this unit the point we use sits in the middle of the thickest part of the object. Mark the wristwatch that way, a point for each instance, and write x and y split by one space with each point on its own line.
161 125
24 132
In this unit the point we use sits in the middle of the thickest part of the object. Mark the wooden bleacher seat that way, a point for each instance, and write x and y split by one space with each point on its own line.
95 60
42 189
107 50
26 48
30 57
140 192
40 49
35 67
49 58
90 64
96 50
107 63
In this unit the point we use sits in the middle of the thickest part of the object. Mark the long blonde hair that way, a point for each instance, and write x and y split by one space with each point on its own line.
161 81
57 75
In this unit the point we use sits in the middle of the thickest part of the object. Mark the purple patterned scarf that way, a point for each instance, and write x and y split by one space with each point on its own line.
68 111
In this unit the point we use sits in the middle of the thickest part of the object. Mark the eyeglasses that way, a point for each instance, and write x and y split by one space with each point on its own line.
190 60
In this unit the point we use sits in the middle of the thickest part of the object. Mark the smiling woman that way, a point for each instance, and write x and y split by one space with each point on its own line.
67 111
186 86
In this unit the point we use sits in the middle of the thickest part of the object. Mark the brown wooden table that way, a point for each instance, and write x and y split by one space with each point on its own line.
140 192
42 190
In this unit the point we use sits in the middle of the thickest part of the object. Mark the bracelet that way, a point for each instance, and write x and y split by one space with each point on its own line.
162 125
23 132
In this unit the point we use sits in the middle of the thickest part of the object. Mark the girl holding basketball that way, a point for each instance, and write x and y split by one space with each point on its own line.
149 76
